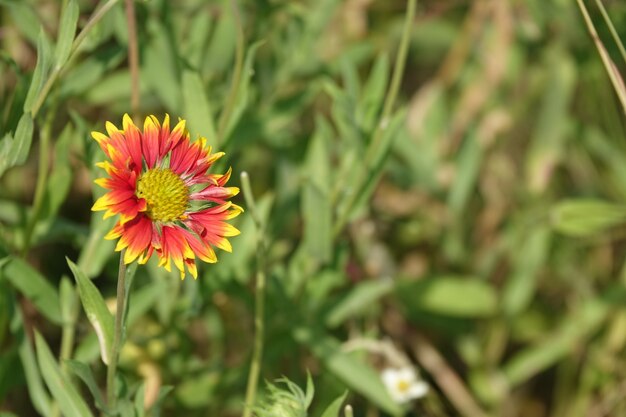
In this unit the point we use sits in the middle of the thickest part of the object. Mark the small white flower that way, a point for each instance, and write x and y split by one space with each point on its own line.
404 384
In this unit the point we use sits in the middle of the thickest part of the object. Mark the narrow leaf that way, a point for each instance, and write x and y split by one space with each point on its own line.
530 257
36 391
585 217
316 204
96 310
69 399
197 107
41 70
67 31
84 372
20 147
334 408
373 94
360 299
241 101
452 296
35 287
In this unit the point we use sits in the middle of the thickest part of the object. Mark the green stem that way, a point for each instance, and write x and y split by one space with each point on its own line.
117 336
259 311
348 411
133 56
390 100
234 87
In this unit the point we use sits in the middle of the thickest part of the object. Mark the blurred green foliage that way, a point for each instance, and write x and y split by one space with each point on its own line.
479 227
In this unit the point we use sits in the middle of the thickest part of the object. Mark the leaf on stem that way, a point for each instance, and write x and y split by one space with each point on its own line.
96 310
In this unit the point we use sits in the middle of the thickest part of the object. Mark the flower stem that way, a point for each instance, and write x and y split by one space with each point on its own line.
133 56
259 311
117 336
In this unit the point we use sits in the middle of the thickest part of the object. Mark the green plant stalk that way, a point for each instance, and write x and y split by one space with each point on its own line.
609 23
42 180
133 57
390 101
348 411
117 336
610 68
234 87
259 310
56 72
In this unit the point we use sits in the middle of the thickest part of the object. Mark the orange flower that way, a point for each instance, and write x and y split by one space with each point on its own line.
166 200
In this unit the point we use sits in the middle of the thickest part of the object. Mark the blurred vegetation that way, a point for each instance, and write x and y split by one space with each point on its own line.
478 228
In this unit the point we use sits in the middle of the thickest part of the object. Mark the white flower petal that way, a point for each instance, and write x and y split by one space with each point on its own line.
418 390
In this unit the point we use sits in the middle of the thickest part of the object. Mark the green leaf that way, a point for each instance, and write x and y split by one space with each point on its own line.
41 71
67 31
96 251
335 407
360 299
374 170
22 140
64 392
59 182
469 160
316 204
96 310
241 100
197 107
553 118
160 70
35 287
452 296
194 47
140 411
14 149
356 374
574 330
84 372
221 48
38 395
373 94
528 259
586 217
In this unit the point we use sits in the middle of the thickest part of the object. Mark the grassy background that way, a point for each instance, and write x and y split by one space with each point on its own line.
479 227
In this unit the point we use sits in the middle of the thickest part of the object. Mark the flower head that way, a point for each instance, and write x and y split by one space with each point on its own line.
404 384
168 203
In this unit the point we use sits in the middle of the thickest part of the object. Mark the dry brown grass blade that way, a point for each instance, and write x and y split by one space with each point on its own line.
609 66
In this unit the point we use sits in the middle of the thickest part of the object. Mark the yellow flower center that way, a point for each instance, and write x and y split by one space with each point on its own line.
166 195
403 386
